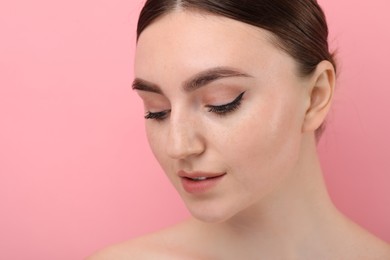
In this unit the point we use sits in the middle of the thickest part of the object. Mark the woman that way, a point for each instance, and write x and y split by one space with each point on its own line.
235 95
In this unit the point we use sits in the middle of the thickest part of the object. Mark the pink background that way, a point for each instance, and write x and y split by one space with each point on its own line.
76 173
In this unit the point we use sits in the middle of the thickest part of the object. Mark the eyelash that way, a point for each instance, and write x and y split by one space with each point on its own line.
219 110
227 108
157 115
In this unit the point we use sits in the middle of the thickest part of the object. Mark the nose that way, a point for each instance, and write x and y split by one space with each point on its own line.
184 139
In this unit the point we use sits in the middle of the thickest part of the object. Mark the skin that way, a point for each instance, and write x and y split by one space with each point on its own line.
272 203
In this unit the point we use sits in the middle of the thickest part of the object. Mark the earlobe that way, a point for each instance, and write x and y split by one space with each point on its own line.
320 95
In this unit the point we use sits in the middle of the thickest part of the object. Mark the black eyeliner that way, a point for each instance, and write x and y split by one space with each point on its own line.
226 108
156 115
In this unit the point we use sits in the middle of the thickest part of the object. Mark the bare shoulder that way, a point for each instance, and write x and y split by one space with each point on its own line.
141 248
377 249
168 243
365 245
118 252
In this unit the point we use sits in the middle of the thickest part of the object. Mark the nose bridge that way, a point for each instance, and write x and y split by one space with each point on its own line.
184 138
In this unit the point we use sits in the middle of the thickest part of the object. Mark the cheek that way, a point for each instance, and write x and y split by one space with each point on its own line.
155 133
265 145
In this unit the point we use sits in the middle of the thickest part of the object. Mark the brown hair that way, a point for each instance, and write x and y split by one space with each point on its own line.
299 26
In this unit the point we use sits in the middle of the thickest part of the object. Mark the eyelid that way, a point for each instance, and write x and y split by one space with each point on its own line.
219 110
157 115
235 101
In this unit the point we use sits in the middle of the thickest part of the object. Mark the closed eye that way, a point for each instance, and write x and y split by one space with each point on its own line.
227 108
157 115
219 110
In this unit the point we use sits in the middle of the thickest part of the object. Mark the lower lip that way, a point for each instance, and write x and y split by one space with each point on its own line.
197 187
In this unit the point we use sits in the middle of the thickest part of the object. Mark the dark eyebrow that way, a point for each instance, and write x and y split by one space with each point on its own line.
199 80
143 85
205 77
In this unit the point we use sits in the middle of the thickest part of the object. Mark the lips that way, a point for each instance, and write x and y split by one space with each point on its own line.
199 182
199 175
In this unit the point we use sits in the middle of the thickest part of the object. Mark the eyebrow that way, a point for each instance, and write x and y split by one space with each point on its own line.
197 81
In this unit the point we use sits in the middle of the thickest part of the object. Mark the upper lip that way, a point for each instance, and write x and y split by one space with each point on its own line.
198 174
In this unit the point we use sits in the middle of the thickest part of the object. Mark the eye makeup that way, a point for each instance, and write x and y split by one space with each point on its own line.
157 115
221 110
227 108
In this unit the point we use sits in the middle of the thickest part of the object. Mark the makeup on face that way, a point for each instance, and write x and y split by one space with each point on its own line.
233 108
199 182
220 97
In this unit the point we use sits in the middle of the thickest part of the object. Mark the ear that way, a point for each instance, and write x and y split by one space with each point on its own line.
320 94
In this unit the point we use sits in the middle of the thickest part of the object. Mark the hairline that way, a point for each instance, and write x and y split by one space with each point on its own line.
273 38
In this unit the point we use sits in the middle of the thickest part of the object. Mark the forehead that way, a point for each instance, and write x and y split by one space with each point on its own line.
186 42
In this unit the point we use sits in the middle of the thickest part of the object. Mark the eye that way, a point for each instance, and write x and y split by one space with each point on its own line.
159 116
227 108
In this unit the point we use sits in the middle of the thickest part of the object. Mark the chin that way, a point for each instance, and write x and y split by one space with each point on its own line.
210 215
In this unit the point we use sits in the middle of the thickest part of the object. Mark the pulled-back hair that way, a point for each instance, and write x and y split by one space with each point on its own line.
299 26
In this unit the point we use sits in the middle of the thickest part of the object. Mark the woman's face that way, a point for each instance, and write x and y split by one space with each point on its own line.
220 100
